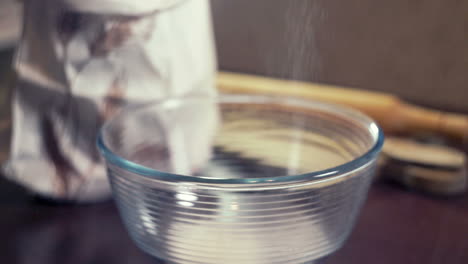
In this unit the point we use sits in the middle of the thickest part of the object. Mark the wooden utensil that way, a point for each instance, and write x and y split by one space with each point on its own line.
393 114
431 168
427 167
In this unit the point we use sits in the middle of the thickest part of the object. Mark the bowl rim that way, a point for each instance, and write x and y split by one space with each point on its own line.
318 176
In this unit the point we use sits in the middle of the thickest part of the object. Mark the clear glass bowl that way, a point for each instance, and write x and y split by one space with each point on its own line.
277 180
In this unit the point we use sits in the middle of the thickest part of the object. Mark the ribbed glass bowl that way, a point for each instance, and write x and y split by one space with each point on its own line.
275 180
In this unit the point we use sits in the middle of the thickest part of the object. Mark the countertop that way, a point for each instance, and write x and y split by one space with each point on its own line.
395 226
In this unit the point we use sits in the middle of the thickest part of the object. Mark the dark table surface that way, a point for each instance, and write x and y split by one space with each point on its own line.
395 226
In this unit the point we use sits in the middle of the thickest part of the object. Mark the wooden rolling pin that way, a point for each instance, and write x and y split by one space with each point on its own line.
392 114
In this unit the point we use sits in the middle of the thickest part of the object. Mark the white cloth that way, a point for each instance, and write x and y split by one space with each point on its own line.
80 61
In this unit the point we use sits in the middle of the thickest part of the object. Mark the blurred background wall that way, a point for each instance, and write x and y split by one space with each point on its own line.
416 49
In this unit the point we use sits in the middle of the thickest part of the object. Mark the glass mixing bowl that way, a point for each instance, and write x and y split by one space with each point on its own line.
241 178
